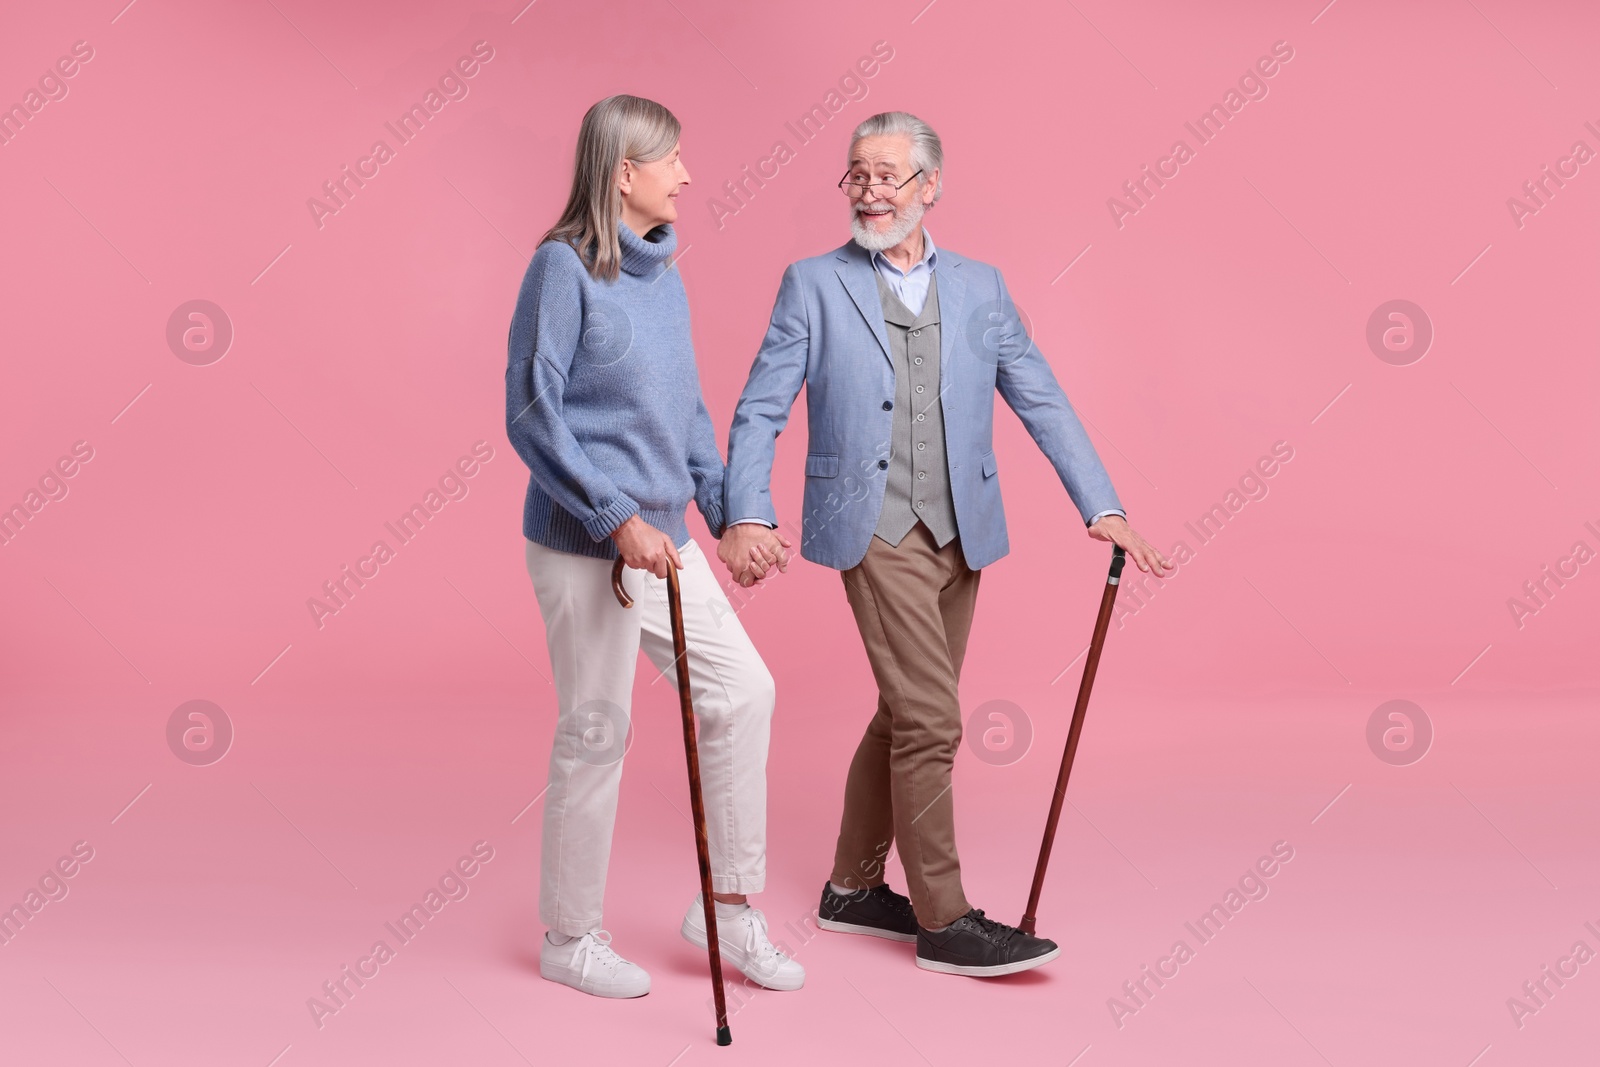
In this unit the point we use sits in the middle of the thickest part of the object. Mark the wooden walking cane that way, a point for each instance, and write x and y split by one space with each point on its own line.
1101 623
697 805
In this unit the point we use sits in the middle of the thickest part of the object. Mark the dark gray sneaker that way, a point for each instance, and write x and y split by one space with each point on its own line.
879 911
981 947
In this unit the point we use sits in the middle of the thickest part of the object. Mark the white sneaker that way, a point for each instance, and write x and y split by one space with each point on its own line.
590 964
743 942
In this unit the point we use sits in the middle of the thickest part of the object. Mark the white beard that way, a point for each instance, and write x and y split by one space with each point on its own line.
904 222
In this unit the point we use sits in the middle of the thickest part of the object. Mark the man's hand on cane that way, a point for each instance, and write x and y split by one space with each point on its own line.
1115 528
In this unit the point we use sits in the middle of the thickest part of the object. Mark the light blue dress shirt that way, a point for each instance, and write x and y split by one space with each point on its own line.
910 286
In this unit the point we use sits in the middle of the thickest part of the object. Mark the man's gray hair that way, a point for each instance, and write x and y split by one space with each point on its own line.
927 152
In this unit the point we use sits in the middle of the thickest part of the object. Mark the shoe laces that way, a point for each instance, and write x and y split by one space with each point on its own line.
595 948
894 901
991 930
756 942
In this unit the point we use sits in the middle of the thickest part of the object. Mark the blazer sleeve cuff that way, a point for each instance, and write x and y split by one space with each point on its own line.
750 506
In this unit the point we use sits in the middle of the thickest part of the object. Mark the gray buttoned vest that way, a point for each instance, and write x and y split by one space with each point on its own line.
919 477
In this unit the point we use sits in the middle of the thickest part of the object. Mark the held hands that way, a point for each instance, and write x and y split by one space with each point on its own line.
750 550
1115 528
645 547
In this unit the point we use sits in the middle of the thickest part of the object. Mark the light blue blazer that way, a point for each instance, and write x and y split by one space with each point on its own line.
827 333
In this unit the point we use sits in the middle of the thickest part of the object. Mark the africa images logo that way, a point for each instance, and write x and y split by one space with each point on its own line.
453 85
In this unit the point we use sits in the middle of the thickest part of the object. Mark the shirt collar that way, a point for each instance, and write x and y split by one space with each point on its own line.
930 256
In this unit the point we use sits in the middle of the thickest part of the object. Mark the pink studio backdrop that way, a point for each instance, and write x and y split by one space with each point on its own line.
1396 152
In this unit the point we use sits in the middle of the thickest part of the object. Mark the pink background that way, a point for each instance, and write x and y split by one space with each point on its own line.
1229 313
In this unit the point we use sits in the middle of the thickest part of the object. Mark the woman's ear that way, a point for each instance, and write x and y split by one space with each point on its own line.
625 176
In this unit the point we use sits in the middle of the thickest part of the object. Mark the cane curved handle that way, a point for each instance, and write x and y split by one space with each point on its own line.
622 594
616 584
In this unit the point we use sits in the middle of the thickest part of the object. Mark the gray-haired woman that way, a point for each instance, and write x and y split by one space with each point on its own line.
603 403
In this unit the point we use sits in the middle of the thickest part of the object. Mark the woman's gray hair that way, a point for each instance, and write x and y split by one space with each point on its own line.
927 152
617 128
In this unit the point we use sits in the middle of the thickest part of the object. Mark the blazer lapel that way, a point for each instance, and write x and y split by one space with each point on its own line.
952 316
861 282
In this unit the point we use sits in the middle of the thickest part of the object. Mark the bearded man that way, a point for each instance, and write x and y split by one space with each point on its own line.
902 347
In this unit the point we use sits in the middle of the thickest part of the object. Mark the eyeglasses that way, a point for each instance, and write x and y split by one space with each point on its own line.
855 189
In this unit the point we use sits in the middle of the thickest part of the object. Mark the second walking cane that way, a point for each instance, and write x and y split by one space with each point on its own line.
697 805
1102 623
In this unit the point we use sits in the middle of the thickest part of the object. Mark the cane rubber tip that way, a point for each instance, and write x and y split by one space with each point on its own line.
724 1036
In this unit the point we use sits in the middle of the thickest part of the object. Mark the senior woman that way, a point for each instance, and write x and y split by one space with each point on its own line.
603 403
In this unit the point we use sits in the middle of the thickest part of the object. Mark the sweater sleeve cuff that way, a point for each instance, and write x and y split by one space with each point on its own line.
711 511
599 525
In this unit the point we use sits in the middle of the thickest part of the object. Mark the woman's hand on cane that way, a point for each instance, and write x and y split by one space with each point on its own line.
645 547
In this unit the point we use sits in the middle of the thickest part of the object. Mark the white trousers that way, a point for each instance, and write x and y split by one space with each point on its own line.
594 646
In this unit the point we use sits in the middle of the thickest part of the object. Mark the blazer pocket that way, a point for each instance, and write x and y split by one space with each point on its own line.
822 465
988 464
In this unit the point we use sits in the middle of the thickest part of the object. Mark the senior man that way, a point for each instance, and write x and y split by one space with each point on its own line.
902 347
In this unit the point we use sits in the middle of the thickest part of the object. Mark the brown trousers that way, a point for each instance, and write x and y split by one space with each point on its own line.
913 605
